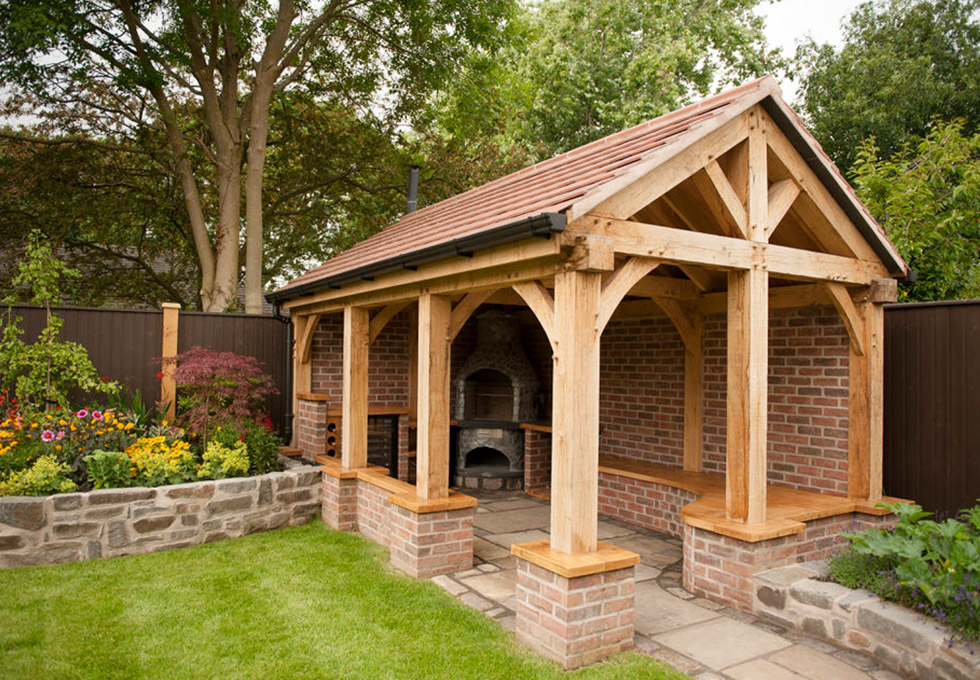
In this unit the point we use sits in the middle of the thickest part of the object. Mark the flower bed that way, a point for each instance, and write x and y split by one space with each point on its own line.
73 527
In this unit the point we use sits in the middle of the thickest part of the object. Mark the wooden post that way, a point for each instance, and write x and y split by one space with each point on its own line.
866 408
432 459
693 396
748 352
748 330
354 407
413 369
168 388
302 374
575 413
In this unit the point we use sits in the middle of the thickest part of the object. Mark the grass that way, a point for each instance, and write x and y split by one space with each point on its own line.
298 603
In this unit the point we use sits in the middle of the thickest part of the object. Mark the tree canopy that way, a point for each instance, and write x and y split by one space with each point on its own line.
902 63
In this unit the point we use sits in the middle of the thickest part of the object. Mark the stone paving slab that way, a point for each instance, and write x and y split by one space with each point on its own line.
514 520
508 539
659 612
815 665
485 550
722 642
760 669
495 586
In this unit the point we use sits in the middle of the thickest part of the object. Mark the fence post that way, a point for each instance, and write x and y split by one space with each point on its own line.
168 388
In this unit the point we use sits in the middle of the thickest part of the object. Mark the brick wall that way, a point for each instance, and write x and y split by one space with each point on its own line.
721 568
575 621
388 361
537 460
311 427
647 504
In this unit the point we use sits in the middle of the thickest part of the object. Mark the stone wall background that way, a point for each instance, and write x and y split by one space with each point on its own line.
113 522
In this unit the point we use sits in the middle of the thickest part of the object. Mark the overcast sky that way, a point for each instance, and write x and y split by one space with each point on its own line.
789 21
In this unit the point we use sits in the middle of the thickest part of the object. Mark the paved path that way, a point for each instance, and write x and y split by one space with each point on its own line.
698 637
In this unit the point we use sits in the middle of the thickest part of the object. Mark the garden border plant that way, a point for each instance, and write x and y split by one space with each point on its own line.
931 567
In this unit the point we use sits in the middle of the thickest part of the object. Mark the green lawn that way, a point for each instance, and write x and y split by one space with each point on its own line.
298 603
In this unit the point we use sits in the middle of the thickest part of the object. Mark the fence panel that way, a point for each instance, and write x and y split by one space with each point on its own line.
124 344
932 404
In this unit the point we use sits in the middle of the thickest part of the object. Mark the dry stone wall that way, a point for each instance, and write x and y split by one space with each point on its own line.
112 522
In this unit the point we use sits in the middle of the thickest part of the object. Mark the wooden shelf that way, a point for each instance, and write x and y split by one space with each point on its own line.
537 426
373 411
787 509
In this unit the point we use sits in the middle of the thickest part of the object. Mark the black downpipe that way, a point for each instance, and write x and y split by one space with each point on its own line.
287 390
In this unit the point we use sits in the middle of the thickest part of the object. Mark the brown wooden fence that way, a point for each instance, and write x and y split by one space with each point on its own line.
932 404
123 344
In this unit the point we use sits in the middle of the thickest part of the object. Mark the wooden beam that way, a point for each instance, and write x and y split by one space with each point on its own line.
685 247
757 202
853 322
168 387
306 342
748 330
619 283
865 408
690 327
354 405
660 172
591 253
699 277
575 413
464 310
542 304
665 287
818 193
782 195
432 458
782 297
509 257
381 319
721 199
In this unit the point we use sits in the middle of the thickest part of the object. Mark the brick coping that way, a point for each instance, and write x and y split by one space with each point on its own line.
606 558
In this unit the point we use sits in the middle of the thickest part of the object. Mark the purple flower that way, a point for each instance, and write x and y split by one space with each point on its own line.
47 436
96 415
83 413
61 435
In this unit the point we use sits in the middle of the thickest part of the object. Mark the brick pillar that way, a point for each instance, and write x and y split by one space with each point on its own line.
425 544
311 427
339 498
537 460
575 621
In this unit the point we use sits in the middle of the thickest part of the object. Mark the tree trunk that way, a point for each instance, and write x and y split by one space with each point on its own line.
225 290
253 201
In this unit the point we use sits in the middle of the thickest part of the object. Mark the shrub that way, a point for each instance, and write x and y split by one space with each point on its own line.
156 462
260 440
220 461
45 476
109 469
219 387
932 566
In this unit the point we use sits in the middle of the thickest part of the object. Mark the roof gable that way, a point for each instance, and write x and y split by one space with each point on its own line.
595 178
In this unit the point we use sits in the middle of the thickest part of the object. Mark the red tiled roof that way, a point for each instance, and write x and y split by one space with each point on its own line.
550 186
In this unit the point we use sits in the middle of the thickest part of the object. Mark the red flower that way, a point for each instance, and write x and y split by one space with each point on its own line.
160 374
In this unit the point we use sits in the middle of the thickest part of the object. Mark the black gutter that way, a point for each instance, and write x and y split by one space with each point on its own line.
541 226
831 182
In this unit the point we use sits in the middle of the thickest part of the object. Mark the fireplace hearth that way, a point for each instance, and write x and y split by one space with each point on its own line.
495 391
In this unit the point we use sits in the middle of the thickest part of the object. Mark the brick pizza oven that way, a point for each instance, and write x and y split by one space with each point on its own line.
495 391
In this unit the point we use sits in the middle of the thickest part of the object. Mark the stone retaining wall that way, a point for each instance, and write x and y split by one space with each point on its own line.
898 638
112 522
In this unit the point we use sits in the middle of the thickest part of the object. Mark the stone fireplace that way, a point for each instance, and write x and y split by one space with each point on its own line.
495 391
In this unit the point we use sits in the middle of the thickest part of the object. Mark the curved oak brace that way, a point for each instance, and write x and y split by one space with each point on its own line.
686 325
542 304
849 314
381 319
464 310
306 341
782 195
619 283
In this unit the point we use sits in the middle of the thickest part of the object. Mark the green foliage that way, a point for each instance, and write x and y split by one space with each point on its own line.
927 198
933 565
43 372
902 63
158 461
263 448
46 476
590 69
109 469
220 461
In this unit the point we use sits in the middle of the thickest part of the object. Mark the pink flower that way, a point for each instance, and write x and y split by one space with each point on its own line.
96 415
61 435
83 413
47 436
